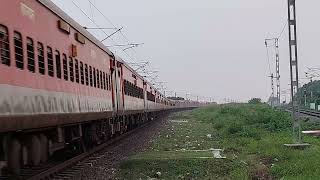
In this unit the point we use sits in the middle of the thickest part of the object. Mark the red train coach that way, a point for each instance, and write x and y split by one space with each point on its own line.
53 73
62 88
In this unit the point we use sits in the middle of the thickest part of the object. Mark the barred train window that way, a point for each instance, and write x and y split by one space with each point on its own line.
41 58
58 64
76 66
30 54
107 83
101 80
104 80
98 79
86 74
71 69
4 46
65 67
18 50
50 61
81 73
90 71
109 80
94 78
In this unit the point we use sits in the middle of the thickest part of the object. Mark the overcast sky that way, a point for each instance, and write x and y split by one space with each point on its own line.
209 48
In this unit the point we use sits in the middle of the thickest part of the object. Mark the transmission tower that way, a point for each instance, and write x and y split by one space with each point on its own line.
277 77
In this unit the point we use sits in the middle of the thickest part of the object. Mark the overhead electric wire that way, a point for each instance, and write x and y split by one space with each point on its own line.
97 25
107 19
283 29
83 12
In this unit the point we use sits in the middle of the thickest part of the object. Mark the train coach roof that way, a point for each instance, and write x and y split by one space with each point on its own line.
119 59
56 10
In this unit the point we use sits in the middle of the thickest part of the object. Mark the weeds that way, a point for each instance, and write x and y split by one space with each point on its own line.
251 135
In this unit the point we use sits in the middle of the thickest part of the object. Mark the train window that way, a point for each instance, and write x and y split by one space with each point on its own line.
76 66
107 83
101 80
104 80
94 78
98 79
71 69
50 61
18 50
125 87
4 45
41 58
90 71
65 67
110 85
30 54
81 73
86 74
58 64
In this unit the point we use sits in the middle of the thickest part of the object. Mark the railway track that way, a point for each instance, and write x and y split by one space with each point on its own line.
307 112
310 113
70 168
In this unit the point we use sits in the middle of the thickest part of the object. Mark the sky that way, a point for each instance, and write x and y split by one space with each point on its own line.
206 48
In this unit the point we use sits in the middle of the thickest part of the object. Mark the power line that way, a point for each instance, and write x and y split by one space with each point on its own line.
97 24
83 12
284 27
107 19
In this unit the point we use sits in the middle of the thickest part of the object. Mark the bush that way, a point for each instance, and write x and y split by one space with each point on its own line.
234 128
255 101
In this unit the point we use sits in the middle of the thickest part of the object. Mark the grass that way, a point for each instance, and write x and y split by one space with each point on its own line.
252 137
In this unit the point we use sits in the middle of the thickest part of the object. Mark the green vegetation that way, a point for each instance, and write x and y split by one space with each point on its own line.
312 92
254 101
252 136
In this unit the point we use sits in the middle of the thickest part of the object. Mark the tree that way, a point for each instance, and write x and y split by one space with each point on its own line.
310 91
255 101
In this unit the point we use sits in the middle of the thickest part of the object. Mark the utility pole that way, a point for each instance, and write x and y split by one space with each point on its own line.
294 74
277 70
272 90
277 77
305 97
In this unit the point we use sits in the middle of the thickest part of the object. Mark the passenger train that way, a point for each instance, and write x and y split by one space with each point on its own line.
62 88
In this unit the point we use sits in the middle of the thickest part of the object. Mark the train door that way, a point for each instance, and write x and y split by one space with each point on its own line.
113 86
118 95
120 87
145 103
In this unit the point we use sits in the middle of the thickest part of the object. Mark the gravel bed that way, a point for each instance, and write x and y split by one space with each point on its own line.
107 166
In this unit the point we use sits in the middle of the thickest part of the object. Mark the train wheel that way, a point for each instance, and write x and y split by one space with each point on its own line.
44 148
34 150
14 159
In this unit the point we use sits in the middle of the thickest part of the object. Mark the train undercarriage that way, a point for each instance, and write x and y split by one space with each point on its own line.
32 148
